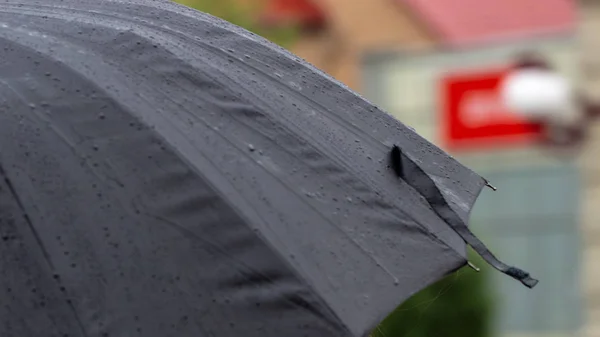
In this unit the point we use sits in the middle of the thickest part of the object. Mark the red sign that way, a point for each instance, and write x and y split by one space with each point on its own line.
473 115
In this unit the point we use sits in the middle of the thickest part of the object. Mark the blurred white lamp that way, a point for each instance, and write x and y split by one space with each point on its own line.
540 94
534 90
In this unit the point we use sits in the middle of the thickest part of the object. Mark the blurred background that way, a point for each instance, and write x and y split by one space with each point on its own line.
437 66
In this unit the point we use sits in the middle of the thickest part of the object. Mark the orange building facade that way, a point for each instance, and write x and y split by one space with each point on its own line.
349 31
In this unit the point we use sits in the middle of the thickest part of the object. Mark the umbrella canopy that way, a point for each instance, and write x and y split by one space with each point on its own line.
165 173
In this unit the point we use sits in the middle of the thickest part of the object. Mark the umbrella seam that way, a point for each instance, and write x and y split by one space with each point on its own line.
37 238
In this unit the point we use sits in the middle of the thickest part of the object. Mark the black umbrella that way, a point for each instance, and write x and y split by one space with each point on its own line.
165 173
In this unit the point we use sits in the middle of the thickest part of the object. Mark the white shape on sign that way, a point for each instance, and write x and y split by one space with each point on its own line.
537 93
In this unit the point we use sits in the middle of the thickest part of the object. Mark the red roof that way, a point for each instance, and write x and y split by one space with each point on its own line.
468 21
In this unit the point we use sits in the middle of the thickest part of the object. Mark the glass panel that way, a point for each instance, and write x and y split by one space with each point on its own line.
556 308
532 222
515 302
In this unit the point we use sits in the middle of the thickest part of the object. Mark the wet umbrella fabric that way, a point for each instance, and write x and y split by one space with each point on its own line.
165 173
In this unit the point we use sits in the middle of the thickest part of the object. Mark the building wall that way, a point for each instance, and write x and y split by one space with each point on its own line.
408 83
534 220
355 27
584 68
590 165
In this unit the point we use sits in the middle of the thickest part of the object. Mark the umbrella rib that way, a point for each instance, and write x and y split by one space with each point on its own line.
35 232
414 175
15 195
37 239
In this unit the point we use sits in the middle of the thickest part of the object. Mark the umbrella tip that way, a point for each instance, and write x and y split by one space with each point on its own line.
487 183
473 266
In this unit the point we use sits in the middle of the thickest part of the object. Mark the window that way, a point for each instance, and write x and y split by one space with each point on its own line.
532 221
